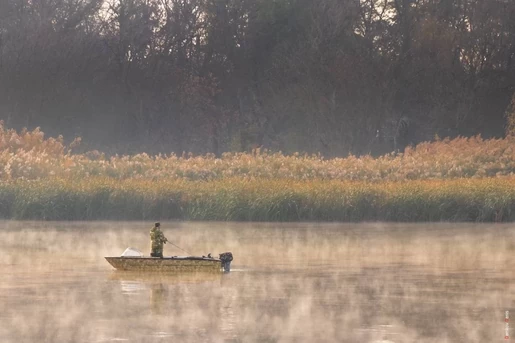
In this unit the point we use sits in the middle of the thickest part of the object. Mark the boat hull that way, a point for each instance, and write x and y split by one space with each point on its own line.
166 264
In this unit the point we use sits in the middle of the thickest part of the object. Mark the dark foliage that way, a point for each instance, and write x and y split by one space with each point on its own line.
230 75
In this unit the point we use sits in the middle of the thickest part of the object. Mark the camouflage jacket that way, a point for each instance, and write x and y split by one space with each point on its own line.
157 239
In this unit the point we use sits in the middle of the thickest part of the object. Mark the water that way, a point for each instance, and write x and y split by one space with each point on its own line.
289 283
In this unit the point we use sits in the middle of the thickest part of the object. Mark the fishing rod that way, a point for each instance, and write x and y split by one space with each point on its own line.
178 247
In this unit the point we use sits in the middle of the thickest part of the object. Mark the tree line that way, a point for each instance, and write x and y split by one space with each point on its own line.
208 76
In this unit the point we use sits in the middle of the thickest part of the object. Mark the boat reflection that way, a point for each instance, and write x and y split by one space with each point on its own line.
163 288
159 295
164 278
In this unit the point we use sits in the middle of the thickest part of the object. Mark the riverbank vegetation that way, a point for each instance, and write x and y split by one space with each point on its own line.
260 200
465 179
27 155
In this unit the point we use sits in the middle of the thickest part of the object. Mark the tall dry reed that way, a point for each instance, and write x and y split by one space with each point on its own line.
461 180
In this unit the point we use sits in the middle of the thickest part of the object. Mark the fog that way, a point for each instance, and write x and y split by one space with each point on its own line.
289 283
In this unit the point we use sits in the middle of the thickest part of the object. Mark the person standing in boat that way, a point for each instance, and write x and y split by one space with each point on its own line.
157 239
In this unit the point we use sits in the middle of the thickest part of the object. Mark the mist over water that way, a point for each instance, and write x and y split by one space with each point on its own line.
289 283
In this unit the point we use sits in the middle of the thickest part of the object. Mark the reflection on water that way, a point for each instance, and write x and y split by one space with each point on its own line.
158 298
289 283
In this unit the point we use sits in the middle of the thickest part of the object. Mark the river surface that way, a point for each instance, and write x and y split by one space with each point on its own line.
289 283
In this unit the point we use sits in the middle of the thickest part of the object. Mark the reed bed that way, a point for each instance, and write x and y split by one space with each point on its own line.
465 179
260 200
29 156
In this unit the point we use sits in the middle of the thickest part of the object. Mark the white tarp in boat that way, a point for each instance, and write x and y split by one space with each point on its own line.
132 252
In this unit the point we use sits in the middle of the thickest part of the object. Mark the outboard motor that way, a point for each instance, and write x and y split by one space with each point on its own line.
226 259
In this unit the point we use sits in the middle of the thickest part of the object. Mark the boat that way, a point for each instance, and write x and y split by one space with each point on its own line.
133 260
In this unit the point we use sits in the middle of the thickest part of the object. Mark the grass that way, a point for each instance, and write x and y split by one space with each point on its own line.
466 179
261 200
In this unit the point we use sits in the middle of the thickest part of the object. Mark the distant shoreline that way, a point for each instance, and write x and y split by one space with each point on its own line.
240 199
460 180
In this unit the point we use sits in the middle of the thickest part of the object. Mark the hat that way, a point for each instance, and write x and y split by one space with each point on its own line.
157 224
